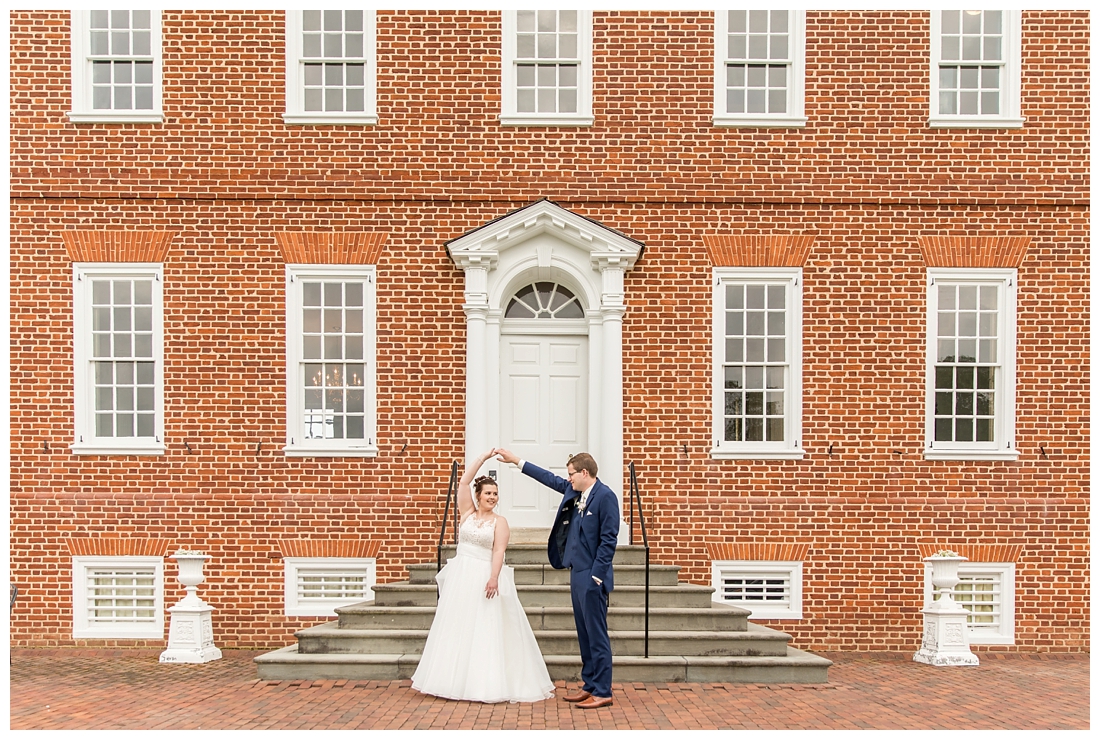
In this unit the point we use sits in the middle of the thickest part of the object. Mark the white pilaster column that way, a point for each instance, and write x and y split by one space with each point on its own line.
596 442
476 308
612 308
491 411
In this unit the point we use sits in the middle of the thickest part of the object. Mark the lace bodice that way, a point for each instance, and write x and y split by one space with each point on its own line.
477 533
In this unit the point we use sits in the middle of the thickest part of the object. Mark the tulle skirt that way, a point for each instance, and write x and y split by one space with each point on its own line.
480 649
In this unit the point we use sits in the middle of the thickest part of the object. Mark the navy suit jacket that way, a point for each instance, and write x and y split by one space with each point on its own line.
586 540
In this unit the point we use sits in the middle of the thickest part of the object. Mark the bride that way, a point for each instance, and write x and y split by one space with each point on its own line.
480 646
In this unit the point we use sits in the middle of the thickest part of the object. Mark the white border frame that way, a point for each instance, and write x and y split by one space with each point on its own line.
796 90
80 67
294 401
1006 635
1010 94
1003 446
791 448
508 114
793 568
295 114
291 567
83 629
84 440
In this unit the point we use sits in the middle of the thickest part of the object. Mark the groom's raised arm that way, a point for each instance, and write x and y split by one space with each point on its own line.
545 477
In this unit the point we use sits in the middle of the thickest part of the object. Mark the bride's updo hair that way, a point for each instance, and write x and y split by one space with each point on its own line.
485 480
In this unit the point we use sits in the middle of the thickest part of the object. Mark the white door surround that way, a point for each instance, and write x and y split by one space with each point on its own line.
544 241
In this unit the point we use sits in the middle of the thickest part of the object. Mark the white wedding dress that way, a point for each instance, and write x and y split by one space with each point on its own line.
480 649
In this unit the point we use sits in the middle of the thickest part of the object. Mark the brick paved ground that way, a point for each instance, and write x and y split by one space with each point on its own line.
85 689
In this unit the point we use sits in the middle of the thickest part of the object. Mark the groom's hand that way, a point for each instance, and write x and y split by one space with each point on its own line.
507 456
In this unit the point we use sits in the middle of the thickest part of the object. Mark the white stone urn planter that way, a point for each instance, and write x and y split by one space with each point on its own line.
945 640
191 633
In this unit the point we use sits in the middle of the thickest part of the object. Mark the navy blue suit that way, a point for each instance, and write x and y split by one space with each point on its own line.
585 543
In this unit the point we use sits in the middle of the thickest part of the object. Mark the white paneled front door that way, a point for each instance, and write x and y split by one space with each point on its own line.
543 418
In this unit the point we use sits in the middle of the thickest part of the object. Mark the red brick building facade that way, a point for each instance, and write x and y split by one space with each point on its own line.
854 209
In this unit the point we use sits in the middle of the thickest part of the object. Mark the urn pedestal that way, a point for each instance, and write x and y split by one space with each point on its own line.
945 641
191 633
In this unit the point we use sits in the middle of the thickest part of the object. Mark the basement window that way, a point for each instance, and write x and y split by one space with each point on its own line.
316 587
119 597
769 589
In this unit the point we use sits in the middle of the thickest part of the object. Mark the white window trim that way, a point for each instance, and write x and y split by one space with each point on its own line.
791 568
1004 445
314 608
1006 635
82 111
1010 96
296 114
508 114
295 445
791 448
83 628
796 92
84 440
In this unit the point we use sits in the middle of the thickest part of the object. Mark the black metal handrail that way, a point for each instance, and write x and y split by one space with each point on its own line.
451 493
636 493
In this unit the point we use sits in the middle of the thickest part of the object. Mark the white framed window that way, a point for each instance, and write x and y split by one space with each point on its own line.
771 589
546 76
331 77
315 587
119 597
116 61
971 364
988 592
330 323
118 359
759 67
757 349
975 69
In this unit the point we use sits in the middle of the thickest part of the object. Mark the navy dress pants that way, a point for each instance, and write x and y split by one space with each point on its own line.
590 615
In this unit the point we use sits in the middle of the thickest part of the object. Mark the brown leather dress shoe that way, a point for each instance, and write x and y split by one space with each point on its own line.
580 695
595 702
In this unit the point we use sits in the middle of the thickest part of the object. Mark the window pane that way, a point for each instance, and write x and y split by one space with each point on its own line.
525 46
567 46
142 45
122 98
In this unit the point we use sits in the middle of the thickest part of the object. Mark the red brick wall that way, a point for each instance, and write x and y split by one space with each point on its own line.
866 177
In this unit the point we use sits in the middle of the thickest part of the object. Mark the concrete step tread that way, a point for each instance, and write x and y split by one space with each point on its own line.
794 657
369 606
754 632
542 546
365 606
679 587
532 566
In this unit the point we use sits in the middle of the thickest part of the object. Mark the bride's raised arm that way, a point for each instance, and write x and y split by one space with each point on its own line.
465 493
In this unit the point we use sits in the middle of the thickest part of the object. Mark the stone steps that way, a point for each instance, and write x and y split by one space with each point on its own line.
332 638
534 574
404 593
795 666
717 617
691 637
535 554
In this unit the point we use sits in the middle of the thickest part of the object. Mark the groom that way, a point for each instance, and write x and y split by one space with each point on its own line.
583 539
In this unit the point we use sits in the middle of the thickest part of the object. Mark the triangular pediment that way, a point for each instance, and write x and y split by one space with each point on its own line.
484 244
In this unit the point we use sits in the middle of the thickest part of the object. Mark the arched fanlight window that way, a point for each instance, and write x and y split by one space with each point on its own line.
544 301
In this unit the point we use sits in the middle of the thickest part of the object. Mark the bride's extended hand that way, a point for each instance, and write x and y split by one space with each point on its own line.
491 589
